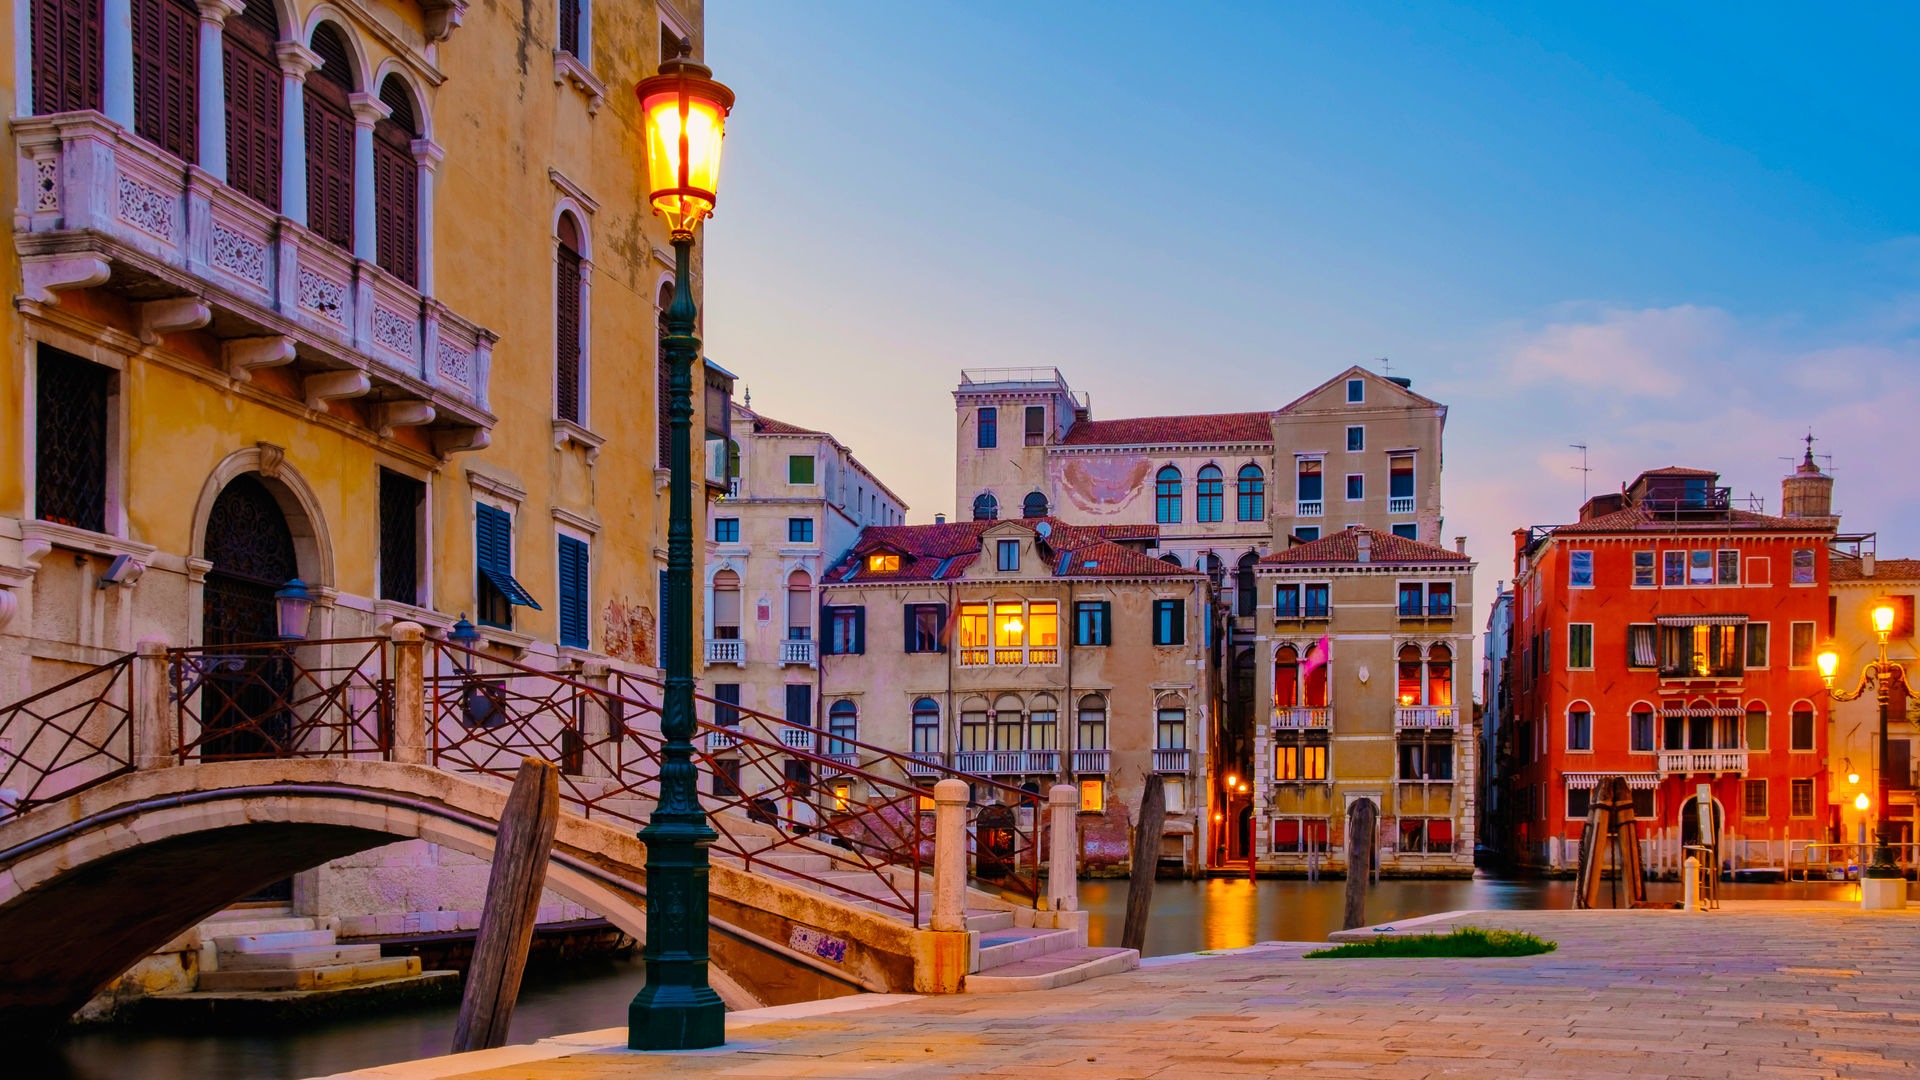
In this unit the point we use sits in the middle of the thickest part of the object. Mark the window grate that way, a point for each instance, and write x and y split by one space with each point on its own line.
400 501
71 446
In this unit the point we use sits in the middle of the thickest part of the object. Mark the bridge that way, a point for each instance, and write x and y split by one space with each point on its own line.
146 794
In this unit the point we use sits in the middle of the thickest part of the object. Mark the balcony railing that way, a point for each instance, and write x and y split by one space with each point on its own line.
1302 717
1170 759
1310 508
1421 717
726 651
797 652
1090 761
1007 762
925 763
1303 612
1432 609
720 740
1400 504
796 738
1688 762
848 759
100 207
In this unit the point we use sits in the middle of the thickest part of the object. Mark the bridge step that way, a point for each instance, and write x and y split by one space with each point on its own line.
218 927
802 862
982 921
265 942
314 978
999 948
1062 968
306 956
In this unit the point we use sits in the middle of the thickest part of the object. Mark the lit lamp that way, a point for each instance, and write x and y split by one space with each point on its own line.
1882 674
684 114
291 605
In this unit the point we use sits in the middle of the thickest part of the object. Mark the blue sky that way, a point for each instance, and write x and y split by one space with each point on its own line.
1678 234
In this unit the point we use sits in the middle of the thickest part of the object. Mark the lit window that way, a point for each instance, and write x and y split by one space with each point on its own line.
1093 795
879 563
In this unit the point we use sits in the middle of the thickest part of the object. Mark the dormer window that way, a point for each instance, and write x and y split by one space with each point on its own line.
883 563
1008 554
1356 391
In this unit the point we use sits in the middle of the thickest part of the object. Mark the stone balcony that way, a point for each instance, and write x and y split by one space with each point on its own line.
1424 717
1709 762
726 651
1007 762
103 208
1171 760
1302 717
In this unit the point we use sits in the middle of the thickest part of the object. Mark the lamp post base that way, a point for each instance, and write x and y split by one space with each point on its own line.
1883 893
676 1018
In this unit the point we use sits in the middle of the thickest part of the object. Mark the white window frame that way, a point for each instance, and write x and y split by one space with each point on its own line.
583 219
1717 553
1667 555
1653 568
815 482
1567 725
1811 656
114 510
1361 384
1362 429
1746 645
1347 489
1573 555
1815 583
575 527
1591 647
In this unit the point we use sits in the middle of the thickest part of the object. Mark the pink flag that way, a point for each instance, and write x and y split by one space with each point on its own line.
1317 656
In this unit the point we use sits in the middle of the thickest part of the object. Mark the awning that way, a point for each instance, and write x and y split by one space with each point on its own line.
1586 781
1733 710
1440 831
1701 620
1286 831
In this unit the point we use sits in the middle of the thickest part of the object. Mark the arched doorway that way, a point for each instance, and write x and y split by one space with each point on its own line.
1690 823
251 549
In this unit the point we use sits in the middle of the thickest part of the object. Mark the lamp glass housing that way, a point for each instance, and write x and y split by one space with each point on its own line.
1860 801
1828 661
685 115
1882 618
291 605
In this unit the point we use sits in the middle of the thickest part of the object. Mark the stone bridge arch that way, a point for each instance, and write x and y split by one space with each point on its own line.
91 884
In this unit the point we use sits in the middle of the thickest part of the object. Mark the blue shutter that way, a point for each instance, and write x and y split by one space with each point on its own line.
859 630
573 593
493 543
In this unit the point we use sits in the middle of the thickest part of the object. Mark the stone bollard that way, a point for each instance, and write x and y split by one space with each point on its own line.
597 751
1690 885
155 741
1063 856
950 855
409 694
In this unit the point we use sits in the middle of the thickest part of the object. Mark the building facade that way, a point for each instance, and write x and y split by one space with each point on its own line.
1669 637
1366 639
798 503
1496 710
280 315
1860 581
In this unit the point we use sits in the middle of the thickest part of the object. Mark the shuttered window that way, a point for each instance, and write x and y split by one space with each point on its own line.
330 141
253 103
396 188
566 324
570 14
70 447
493 548
66 55
573 593
166 71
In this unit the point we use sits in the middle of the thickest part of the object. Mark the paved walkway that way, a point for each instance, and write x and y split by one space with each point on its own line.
1756 990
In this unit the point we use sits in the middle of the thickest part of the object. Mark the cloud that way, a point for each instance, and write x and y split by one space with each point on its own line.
1651 353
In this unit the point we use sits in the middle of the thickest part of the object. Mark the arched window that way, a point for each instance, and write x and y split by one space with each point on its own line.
329 120
1007 722
166 75
568 344
1318 667
1092 734
1170 559
726 606
926 727
843 724
1439 675
1167 496
985 507
1252 491
396 185
1035 506
67 54
1407 690
1208 502
254 98
799 606
1043 719
1216 570
1245 593
1286 678
663 378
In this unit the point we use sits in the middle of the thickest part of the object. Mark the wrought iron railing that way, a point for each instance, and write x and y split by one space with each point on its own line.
280 699
67 737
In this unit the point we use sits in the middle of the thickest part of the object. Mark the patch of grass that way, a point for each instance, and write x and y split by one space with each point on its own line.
1468 941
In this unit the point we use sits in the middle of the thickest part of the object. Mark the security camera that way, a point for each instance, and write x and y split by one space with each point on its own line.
124 571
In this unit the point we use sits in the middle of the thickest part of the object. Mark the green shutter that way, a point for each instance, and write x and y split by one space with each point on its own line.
493 543
573 593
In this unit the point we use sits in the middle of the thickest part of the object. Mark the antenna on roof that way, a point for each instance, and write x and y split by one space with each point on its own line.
1386 365
1581 468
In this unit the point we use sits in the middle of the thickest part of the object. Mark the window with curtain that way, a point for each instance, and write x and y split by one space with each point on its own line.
1167 496
166 75
254 102
726 606
67 54
799 606
1286 678
1407 689
1007 727
329 122
1170 729
1439 676
396 185
1036 419
975 735
1309 480
1042 725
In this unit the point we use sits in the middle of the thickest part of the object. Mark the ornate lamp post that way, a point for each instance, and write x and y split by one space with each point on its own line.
1882 673
684 113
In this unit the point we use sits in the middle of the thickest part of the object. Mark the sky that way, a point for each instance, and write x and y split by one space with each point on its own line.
1677 234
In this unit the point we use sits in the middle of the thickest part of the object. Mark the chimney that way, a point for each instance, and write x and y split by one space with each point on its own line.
1460 544
1866 564
939 519
1363 544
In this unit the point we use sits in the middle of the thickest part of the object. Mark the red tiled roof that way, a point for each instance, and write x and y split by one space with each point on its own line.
1344 547
1679 470
1638 519
1172 430
767 425
1843 568
944 551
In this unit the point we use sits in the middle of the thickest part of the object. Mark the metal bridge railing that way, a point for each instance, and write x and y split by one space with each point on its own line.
67 737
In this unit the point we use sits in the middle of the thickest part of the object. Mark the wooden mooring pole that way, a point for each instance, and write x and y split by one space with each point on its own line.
520 853
1363 822
1146 862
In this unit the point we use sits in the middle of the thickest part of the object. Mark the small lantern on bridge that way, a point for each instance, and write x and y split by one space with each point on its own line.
291 606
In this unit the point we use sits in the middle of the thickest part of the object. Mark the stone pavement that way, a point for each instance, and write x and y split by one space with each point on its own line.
1759 989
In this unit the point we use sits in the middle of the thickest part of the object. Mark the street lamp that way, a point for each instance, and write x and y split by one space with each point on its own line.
1882 673
291 605
684 113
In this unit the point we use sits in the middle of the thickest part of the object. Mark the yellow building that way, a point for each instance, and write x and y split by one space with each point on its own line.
336 292
1860 582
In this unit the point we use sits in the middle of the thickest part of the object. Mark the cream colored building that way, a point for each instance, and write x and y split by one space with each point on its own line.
1031 651
1860 581
797 504
1366 647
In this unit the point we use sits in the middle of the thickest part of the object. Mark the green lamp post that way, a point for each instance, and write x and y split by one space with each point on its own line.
684 115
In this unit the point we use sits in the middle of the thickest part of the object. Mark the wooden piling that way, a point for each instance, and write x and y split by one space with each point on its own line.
1146 861
520 853
1363 823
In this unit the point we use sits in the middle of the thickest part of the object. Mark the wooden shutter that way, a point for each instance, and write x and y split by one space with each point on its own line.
570 25
859 631
566 345
913 625
166 75
573 593
253 85
396 188
330 141
67 57
1106 623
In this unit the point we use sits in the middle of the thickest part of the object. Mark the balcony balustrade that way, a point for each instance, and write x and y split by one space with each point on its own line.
1171 760
800 653
924 763
1302 717
1441 609
1689 762
720 740
727 651
1400 504
796 738
1310 508
1090 761
102 207
1302 612
1423 717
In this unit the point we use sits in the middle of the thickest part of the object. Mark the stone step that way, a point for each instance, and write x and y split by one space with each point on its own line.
989 920
1046 972
272 940
308 956
218 927
329 977
804 862
999 948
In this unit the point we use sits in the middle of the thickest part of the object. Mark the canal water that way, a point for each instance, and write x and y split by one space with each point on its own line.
1187 916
